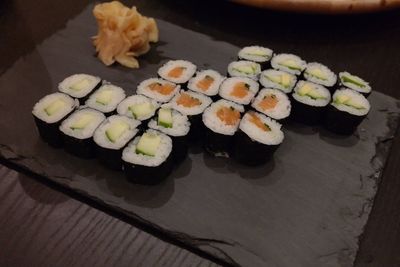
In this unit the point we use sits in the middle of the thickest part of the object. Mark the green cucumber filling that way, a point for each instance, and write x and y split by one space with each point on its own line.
141 110
291 64
347 101
148 144
165 118
282 79
54 107
257 52
116 130
82 122
80 85
104 97
246 69
308 90
317 73
354 80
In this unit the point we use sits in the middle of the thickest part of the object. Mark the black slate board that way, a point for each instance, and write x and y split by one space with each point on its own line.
306 208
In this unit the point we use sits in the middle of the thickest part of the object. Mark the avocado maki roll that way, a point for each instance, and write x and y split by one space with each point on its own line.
354 82
78 130
273 103
278 79
158 89
49 112
244 68
320 74
106 98
309 102
79 86
206 82
177 71
257 139
221 120
138 107
347 110
147 159
258 54
289 63
239 89
111 137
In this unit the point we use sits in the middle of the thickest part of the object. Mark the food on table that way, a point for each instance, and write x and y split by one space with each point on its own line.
239 89
354 82
289 63
259 54
244 68
273 103
177 71
278 79
79 86
138 107
206 82
158 89
320 74
106 98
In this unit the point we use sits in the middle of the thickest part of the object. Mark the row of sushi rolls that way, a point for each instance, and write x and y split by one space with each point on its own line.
147 134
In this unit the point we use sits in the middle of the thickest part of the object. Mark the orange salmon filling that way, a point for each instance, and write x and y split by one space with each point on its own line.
205 83
176 72
188 101
268 102
228 115
258 122
240 90
164 89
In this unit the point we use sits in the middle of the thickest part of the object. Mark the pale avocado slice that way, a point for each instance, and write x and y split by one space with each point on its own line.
354 80
54 107
285 80
315 95
290 63
165 117
104 97
80 85
305 89
116 130
257 52
82 122
141 110
347 101
246 69
317 73
148 144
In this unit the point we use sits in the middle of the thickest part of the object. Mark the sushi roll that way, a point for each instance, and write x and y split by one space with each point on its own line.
206 82
289 63
177 126
49 112
346 112
78 130
138 107
111 137
177 71
278 79
157 89
79 86
257 139
309 102
147 159
354 82
273 103
258 54
106 99
244 68
221 120
239 89
320 74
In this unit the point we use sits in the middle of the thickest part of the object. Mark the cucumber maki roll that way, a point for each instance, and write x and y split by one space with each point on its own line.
177 71
273 103
157 89
111 137
320 74
309 102
244 68
106 99
78 130
289 63
346 112
206 82
49 112
138 107
278 79
79 86
354 82
147 159
257 139
177 126
221 120
258 54
239 89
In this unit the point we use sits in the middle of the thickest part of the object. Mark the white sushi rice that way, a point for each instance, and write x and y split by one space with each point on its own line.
144 89
282 108
211 120
214 87
273 137
228 85
117 95
367 89
311 101
180 125
329 77
255 53
39 108
123 107
278 60
189 70
100 137
164 150
90 83
87 132
356 97
235 66
267 78
190 111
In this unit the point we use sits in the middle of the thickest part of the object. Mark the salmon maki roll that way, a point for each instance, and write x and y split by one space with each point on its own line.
177 71
239 90
206 82
158 89
273 103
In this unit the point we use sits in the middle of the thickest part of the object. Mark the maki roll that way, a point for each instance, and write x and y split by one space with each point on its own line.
147 159
78 130
106 99
239 89
346 112
309 102
177 126
289 63
320 74
79 86
278 79
177 71
244 68
157 89
258 54
138 107
221 120
206 82
111 137
273 103
257 139
48 113
354 82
